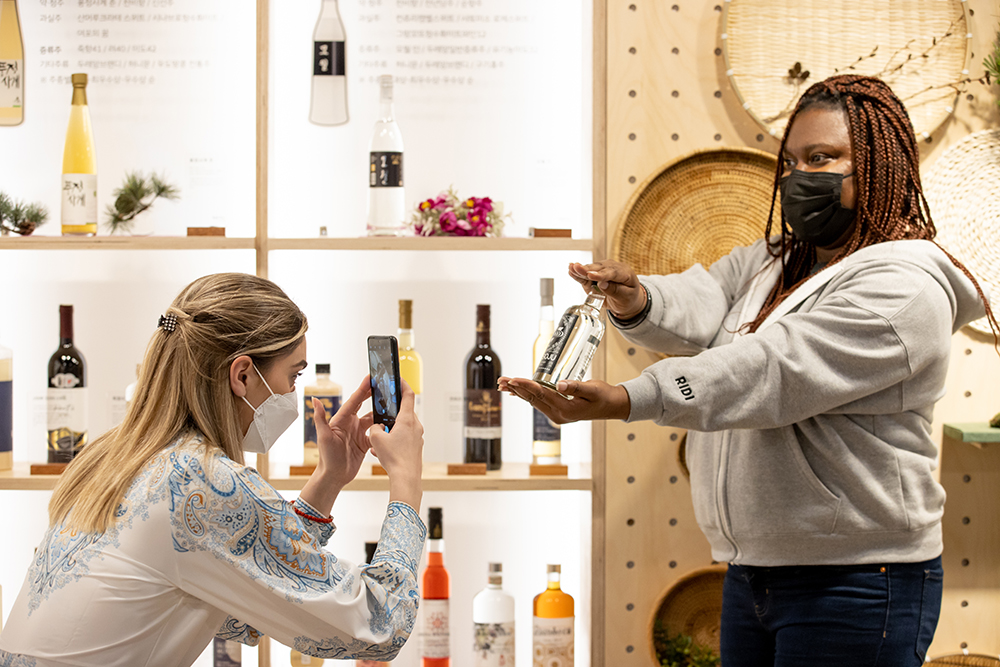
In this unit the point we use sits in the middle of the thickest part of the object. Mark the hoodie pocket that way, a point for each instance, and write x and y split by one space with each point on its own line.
772 489
698 455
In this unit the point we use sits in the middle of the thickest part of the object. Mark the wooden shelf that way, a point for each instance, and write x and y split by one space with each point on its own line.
512 477
125 243
975 432
431 243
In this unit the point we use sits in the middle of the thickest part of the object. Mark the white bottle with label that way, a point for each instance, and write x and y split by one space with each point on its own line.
328 105
493 623
386 198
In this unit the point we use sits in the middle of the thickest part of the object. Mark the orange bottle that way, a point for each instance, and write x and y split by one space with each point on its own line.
435 637
552 624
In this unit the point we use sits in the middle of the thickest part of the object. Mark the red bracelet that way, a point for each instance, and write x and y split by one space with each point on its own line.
310 516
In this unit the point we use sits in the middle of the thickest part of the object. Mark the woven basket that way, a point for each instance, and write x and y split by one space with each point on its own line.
692 606
967 660
763 39
961 190
695 210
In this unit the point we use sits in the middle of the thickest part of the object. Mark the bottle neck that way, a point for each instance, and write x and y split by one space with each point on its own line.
435 552
553 584
79 96
546 315
65 327
406 340
322 377
385 110
482 337
495 582
595 300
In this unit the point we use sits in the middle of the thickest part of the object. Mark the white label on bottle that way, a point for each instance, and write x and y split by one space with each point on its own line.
552 642
67 408
494 645
11 83
435 637
79 199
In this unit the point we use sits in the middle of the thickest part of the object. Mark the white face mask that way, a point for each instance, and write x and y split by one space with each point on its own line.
270 420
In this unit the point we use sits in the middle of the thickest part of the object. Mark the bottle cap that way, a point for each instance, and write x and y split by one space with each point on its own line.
496 567
435 528
322 368
79 79
370 548
385 87
554 568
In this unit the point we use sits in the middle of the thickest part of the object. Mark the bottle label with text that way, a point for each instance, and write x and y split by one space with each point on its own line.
331 404
435 636
385 169
482 414
494 645
6 412
11 83
552 642
328 59
544 429
79 199
555 348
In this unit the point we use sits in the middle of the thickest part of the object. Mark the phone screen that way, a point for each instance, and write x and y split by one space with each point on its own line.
383 364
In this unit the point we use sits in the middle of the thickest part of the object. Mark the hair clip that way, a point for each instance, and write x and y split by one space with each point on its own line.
168 323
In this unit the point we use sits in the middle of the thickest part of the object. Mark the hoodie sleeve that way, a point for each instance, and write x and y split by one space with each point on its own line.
687 309
881 334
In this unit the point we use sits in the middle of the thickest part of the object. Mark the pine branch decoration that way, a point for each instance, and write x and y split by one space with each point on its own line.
136 195
19 217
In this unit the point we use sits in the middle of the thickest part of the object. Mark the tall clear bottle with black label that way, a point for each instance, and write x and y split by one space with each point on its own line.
483 414
328 105
386 198
6 408
546 435
574 342
67 395
11 65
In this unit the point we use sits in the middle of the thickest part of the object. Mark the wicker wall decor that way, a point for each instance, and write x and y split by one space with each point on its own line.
695 210
970 660
961 190
919 47
692 606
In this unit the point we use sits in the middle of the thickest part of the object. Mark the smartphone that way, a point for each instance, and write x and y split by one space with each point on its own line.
383 364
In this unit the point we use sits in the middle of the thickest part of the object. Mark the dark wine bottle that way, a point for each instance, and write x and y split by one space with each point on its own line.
67 395
482 399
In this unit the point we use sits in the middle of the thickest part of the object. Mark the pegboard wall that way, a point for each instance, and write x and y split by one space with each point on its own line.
661 92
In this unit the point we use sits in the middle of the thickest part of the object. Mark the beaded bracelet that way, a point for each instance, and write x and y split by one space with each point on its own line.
310 516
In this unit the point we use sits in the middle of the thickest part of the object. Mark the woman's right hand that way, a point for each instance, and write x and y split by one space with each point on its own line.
624 295
400 452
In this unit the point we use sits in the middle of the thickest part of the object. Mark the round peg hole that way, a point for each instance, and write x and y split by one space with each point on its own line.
673 479
631 179
631 479
631 93
965 562
675 51
631 436
718 137
675 136
631 136
631 351
966 521
718 51
673 437
673 564
673 522
965 603
629 607
631 50
631 522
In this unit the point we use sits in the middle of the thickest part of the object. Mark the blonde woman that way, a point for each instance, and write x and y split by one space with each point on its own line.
161 539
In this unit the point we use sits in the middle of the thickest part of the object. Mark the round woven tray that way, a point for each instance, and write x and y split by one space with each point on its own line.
763 39
695 210
692 606
967 660
961 190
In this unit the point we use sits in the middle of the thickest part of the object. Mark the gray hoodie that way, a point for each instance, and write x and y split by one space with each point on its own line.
810 439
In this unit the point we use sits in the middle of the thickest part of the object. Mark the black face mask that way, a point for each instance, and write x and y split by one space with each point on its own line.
811 204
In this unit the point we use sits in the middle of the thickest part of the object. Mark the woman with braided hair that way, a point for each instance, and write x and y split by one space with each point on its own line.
806 368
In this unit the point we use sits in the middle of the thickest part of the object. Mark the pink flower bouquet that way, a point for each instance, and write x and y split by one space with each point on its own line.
447 215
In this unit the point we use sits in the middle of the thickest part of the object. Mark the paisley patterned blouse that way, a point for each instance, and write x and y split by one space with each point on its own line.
204 547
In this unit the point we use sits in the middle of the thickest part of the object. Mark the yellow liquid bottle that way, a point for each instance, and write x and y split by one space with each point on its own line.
411 367
79 178
11 65
330 395
546 435
552 625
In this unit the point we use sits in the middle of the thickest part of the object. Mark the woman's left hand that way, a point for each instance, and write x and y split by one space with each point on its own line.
590 400
343 440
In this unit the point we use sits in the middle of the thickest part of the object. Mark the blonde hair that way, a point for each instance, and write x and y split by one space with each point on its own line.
183 387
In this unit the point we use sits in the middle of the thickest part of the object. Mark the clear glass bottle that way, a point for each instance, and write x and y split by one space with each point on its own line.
386 198
552 633
328 103
435 587
573 343
67 395
11 65
411 366
546 439
79 177
493 623
330 395
483 405
6 408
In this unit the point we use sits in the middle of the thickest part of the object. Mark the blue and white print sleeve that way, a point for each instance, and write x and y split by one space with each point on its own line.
242 548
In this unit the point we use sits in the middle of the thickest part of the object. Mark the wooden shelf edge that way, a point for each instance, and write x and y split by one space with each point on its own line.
974 432
126 243
431 244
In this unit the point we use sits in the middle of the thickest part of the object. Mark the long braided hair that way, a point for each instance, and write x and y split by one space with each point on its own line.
890 203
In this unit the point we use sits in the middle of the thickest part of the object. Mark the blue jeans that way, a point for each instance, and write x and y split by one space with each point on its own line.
881 615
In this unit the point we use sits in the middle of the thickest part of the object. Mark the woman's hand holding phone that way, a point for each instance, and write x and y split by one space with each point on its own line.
400 452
